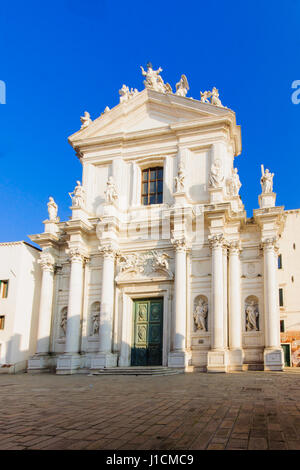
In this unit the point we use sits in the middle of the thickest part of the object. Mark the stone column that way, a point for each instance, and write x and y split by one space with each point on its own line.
235 310
41 359
105 357
225 295
71 360
217 357
178 357
273 354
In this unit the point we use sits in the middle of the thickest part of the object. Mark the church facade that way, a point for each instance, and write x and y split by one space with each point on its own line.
158 264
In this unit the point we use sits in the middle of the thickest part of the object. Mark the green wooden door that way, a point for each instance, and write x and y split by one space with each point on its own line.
147 335
286 355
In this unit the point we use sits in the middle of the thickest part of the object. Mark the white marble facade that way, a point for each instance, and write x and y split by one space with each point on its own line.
195 248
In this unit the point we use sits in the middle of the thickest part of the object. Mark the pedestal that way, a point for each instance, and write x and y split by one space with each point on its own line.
40 363
179 359
273 359
51 226
216 195
180 198
103 360
79 214
217 361
266 200
68 364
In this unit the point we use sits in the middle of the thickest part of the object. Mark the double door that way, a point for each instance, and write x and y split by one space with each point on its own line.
147 332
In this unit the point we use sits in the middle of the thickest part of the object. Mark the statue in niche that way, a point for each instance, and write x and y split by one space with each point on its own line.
266 180
215 97
154 80
52 209
95 323
63 322
111 194
78 195
252 315
182 86
216 175
234 183
85 120
179 179
200 315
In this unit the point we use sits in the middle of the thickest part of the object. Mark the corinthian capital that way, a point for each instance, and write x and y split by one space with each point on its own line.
108 251
270 243
216 241
76 255
180 244
235 247
46 261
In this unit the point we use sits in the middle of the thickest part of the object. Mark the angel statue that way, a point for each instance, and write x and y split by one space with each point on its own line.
204 96
86 120
266 180
182 86
52 209
78 195
154 80
111 194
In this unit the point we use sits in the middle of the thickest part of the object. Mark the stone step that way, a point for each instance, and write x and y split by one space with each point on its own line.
137 371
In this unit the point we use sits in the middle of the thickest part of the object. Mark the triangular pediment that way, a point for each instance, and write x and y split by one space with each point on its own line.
148 110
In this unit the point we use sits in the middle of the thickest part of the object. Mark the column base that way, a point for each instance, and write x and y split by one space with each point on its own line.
103 360
40 363
217 361
179 359
235 359
273 359
68 364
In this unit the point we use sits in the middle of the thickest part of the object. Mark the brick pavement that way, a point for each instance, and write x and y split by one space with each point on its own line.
249 410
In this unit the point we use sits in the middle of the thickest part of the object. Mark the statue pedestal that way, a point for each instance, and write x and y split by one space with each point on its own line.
216 195
181 198
68 364
51 226
110 209
104 360
40 363
267 200
236 204
78 213
179 359
217 361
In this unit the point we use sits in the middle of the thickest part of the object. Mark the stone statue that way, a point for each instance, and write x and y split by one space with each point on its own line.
179 179
125 94
52 209
160 260
216 175
63 321
215 97
204 96
200 315
266 180
182 86
78 196
111 194
86 120
154 80
252 315
234 183
95 325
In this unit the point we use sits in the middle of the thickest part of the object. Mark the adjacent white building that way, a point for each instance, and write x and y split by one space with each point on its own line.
20 277
158 264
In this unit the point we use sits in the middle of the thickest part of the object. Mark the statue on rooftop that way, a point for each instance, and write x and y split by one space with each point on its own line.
78 196
154 81
52 209
182 86
266 180
86 120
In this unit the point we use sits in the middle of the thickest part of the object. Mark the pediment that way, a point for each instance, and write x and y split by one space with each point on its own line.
148 110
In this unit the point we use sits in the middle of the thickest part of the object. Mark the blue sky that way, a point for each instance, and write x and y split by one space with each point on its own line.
61 58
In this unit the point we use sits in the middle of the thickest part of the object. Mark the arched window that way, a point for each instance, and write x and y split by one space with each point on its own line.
152 186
